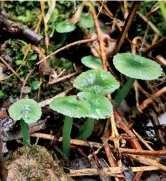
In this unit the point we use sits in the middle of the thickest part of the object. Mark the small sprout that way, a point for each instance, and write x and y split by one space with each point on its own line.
26 109
92 62
100 106
35 85
64 27
70 106
91 103
137 67
96 81
86 21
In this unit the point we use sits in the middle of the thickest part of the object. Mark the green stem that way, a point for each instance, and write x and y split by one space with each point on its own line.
67 127
24 132
122 93
86 129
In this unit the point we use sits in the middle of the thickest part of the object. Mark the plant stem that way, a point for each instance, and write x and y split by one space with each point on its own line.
24 132
67 127
86 129
122 93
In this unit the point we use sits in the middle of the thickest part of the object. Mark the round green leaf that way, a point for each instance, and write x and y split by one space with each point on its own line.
100 106
92 62
137 67
64 27
26 109
70 106
35 85
96 81
2 94
86 21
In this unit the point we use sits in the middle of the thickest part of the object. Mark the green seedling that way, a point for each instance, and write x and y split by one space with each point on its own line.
99 108
92 62
71 108
96 81
135 67
90 103
86 21
27 111
35 85
64 27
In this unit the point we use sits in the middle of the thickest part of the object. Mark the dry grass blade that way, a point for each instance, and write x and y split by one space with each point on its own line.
100 38
157 45
10 68
142 152
147 161
149 100
112 171
126 27
42 3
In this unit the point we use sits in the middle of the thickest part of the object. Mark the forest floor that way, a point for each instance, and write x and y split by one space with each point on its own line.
42 46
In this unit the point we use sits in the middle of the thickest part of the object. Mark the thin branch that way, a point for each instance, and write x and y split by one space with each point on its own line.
10 68
62 78
100 38
65 47
126 27
149 100
72 141
157 45
147 161
111 171
141 152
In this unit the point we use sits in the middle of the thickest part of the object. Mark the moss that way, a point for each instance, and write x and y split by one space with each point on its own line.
34 163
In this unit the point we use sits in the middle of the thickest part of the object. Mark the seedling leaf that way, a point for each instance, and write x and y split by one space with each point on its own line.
137 67
96 81
100 106
64 27
35 85
86 21
92 62
26 109
70 106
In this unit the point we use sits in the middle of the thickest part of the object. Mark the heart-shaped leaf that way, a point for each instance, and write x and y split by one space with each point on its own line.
86 21
137 67
70 106
92 62
96 81
64 27
26 109
100 106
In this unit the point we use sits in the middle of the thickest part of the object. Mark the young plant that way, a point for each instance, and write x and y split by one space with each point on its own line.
96 81
27 111
90 103
99 108
71 108
135 67
92 62
64 27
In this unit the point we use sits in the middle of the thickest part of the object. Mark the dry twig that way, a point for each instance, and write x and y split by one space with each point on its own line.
67 46
100 38
112 171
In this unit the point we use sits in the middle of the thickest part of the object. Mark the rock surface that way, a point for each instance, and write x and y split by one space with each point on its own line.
34 163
